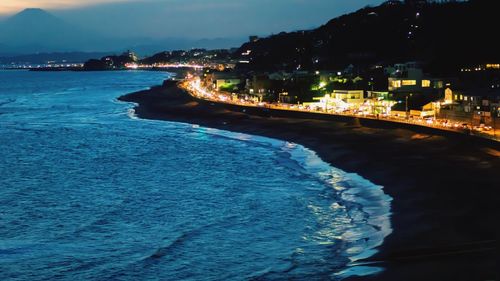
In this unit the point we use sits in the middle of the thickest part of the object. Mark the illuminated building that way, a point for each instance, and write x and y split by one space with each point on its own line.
349 96
409 78
474 105
226 81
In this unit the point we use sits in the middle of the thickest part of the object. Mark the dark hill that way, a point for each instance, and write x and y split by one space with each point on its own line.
445 34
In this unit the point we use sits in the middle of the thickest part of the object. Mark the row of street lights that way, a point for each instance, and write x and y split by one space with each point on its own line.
194 85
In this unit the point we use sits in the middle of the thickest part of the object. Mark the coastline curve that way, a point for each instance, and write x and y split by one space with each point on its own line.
364 204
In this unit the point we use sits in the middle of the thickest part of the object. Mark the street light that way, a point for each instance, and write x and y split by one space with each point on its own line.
494 116
406 105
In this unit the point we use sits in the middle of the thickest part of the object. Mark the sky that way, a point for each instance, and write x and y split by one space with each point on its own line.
192 18
12 6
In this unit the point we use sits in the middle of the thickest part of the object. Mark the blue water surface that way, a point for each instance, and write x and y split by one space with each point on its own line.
88 192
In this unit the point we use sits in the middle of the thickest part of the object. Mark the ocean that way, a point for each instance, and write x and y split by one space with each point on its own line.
90 192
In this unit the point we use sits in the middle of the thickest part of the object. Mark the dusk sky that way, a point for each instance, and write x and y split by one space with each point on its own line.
192 18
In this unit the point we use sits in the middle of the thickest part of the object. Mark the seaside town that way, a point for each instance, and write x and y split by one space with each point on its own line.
410 96
300 71
463 98
249 140
466 102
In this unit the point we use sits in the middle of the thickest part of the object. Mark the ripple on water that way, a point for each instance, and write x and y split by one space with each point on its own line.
94 194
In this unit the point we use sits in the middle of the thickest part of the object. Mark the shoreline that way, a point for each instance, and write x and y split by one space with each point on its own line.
362 196
444 224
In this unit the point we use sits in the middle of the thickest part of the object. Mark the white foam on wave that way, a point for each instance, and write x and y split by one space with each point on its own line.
131 114
370 220
371 217
372 224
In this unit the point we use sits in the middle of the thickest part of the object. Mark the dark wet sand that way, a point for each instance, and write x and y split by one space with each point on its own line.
445 185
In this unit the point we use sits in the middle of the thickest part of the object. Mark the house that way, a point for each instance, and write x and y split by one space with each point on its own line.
378 95
338 100
379 102
355 97
326 103
258 84
424 111
416 106
224 81
409 78
485 104
478 105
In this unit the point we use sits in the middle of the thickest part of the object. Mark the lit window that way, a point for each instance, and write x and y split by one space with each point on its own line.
494 66
409 82
396 84
426 83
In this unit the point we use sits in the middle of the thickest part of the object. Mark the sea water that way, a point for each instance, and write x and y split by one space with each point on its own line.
90 192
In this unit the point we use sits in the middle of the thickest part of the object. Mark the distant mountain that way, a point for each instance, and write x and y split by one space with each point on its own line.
35 30
31 27
38 31
33 20
443 34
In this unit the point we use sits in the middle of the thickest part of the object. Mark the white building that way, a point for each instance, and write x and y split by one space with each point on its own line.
409 78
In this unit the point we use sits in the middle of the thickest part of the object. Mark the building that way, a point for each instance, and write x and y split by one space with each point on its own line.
456 106
409 78
131 55
426 110
338 101
224 81
378 95
327 104
379 102
355 97
462 97
258 84
416 106
476 106
484 105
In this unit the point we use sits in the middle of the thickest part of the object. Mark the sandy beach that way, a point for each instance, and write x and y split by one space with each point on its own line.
444 184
